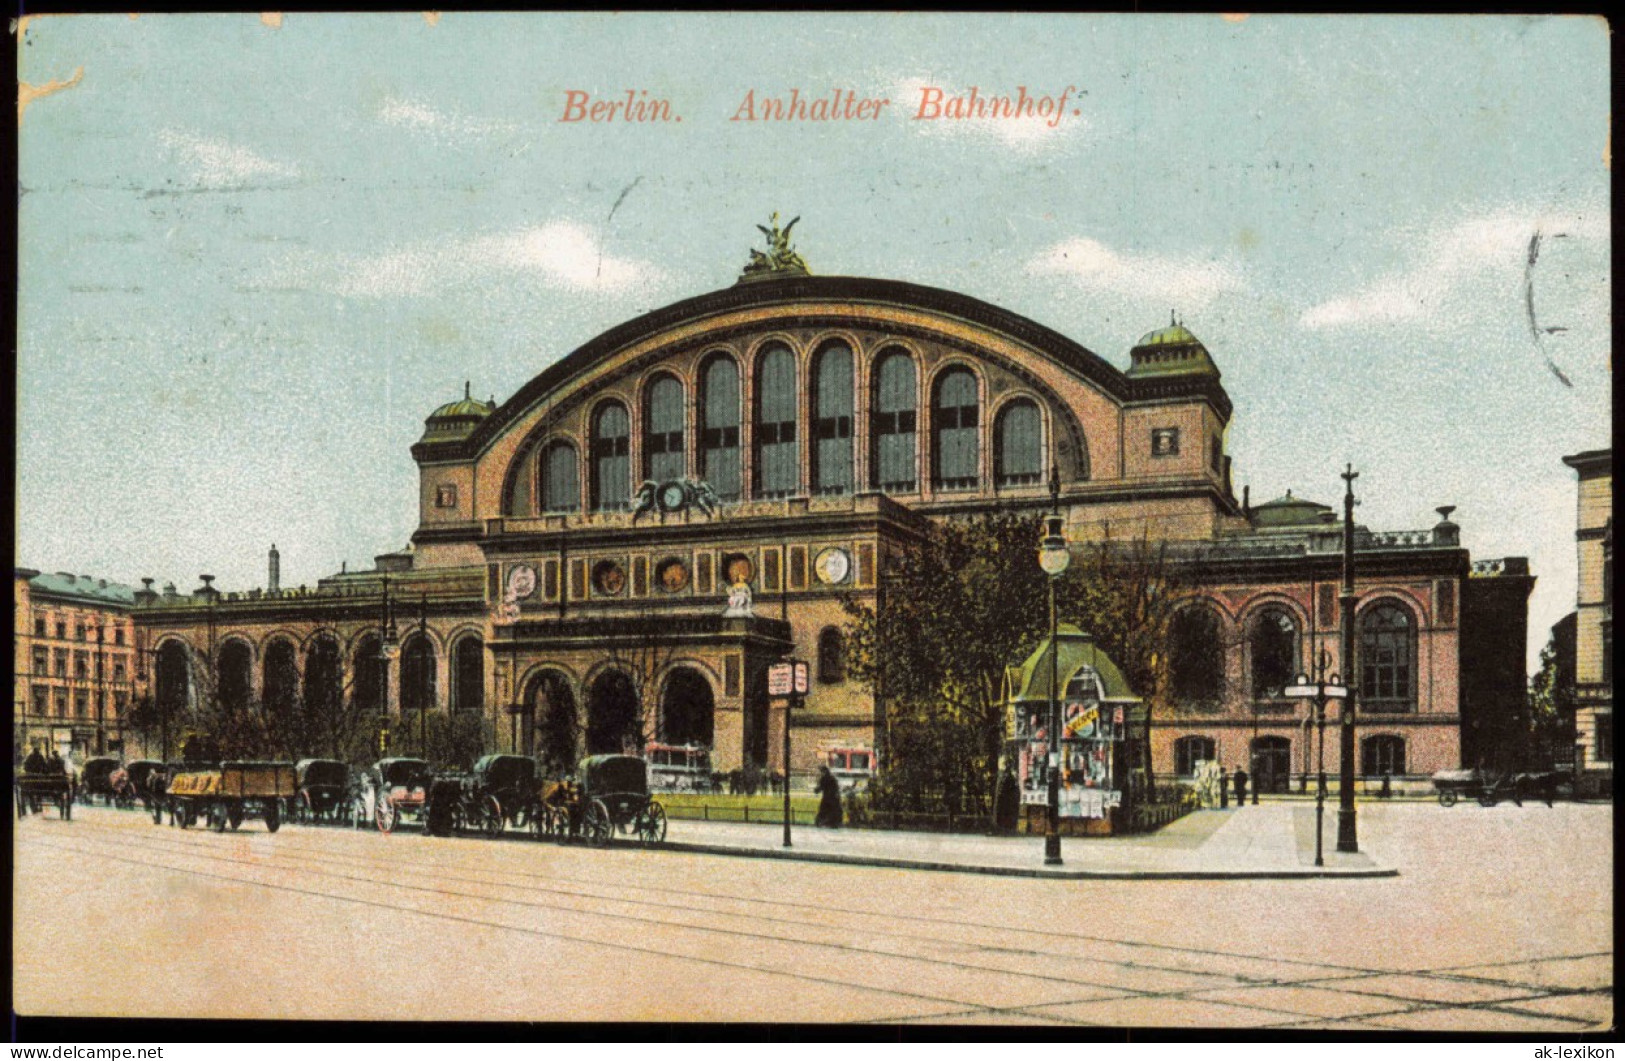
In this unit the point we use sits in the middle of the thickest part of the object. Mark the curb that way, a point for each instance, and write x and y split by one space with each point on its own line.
792 855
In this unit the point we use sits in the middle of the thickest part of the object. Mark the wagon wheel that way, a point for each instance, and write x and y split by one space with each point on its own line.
1488 799
234 816
217 817
273 818
184 813
598 827
652 823
491 813
386 815
1447 798
22 804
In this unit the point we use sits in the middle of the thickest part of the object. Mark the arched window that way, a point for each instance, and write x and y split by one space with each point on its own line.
281 681
832 420
778 472
417 675
611 458
831 655
954 417
1272 644
468 674
1387 659
892 430
521 495
1382 754
1196 657
1188 751
719 426
324 678
561 489
236 675
1018 445
368 666
663 430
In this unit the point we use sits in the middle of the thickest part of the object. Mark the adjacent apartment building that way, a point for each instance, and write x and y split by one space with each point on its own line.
1594 623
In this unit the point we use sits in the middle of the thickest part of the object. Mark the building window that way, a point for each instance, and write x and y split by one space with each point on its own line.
1327 596
1018 441
42 701
1447 603
468 675
39 626
1608 653
1215 448
832 420
81 705
79 632
118 672
561 490
1196 656
120 702
1387 659
778 472
1605 737
1382 755
1188 751
663 430
1165 442
61 661
893 428
611 457
719 426
61 703
417 675
118 636
81 665
831 655
61 631
954 417
1273 647
42 663
445 495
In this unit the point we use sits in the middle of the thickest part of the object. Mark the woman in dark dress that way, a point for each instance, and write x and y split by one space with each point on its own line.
829 800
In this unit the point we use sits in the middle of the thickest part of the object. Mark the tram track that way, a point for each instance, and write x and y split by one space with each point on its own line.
586 899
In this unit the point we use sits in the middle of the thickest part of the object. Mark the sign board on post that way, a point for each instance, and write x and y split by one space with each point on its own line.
801 678
780 679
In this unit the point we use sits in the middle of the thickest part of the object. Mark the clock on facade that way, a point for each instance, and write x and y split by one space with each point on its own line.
832 566
672 497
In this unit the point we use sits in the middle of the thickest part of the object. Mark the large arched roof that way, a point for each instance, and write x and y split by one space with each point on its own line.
824 289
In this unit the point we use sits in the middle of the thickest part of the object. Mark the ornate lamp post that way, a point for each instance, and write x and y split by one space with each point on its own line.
1320 691
423 707
1347 836
1053 559
389 648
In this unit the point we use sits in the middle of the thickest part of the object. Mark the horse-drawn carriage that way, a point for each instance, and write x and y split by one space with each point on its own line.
96 780
140 773
227 794
610 795
501 790
1490 787
325 792
398 789
34 789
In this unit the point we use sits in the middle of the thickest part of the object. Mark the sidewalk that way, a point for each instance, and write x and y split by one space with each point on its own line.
1269 841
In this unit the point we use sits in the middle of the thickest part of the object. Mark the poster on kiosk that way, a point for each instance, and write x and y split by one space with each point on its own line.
1089 729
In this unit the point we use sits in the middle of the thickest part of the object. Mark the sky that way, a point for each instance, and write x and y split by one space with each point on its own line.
256 251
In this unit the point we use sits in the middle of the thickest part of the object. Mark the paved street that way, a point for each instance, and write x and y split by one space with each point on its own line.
1500 920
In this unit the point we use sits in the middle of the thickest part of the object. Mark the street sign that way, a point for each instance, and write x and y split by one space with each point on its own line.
801 678
780 679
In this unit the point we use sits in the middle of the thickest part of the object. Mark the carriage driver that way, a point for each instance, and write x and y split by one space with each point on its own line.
35 763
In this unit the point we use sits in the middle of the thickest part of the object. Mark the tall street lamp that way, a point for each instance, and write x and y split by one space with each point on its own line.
423 643
1320 691
389 647
1347 836
1053 559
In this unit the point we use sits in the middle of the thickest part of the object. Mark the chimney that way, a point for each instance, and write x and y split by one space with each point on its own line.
274 580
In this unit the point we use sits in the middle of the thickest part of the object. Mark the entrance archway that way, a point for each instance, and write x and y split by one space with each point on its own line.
281 690
612 715
1272 764
557 724
687 708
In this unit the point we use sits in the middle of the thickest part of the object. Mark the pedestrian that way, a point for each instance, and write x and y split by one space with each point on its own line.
35 763
1224 788
1387 785
829 800
1241 786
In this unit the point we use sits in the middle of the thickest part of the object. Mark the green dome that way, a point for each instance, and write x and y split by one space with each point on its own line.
457 419
1291 511
1170 351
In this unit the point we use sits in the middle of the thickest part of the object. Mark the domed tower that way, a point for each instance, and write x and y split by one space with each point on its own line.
1171 351
446 490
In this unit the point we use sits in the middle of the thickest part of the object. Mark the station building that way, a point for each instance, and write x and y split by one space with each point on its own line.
618 551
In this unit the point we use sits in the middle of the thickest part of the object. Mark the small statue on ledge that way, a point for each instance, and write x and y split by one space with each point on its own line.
780 257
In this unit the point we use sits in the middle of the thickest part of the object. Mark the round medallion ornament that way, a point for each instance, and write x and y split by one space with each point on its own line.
608 578
832 566
738 568
521 581
673 575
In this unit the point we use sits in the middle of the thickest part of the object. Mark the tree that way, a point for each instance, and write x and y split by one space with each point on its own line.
963 605
642 650
1552 697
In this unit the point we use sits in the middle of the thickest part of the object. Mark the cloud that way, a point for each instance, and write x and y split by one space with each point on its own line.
414 114
217 163
1449 257
1027 133
560 254
1192 282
